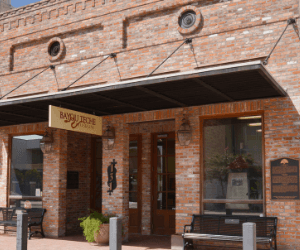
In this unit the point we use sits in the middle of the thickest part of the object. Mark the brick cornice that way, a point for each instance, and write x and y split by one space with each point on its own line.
31 7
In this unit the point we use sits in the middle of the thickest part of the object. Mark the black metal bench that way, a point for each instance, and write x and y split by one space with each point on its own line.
35 218
229 228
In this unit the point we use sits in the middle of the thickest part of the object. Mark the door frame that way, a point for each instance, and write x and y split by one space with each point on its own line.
153 177
93 174
138 138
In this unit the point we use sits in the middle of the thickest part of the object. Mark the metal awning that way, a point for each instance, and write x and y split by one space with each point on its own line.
227 83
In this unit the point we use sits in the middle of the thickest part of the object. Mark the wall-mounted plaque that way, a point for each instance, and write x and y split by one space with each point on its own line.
285 179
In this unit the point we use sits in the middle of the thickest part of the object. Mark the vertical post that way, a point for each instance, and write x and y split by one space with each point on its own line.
249 236
22 227
115 233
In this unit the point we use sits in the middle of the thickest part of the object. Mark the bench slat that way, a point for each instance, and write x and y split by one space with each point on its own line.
221 237
229 228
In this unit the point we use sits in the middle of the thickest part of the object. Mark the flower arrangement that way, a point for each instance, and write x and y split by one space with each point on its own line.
219 165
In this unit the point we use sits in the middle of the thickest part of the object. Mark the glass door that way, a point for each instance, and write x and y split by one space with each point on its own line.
135 184
164 184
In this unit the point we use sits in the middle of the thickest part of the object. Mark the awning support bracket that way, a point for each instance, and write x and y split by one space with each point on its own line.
112 55
290 21
25 82
117 66
54 73
186 41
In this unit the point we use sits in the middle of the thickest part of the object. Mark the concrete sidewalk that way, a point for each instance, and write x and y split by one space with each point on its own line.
136 242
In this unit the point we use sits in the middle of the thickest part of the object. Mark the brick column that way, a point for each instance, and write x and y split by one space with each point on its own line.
187 172
117 202
3 168
55 186
146 183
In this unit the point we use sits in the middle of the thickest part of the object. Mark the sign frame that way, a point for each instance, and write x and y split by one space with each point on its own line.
75 121
284 170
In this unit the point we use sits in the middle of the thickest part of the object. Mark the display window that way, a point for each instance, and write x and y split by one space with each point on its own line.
233 165
26 172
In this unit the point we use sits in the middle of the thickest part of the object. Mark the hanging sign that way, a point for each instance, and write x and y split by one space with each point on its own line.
285 179
74 121
112 180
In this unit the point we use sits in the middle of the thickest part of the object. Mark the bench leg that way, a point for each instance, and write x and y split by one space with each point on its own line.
29 235
187 245
42 232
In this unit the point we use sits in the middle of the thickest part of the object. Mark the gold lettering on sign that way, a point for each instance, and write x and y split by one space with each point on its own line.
285 179
284 170
74 121
284 189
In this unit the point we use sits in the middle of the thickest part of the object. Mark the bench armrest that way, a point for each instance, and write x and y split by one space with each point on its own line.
36 217
185 228
273 233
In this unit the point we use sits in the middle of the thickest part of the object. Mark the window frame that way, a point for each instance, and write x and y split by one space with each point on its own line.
9 155
224 201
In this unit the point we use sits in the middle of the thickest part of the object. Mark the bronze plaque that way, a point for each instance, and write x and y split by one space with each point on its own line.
285 179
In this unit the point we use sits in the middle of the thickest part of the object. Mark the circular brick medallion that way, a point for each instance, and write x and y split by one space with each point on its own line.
56 48
189 19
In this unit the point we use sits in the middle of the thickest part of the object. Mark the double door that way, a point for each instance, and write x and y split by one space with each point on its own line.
163 184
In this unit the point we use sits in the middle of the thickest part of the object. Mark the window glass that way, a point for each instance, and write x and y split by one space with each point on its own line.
133 174
26 174
233 164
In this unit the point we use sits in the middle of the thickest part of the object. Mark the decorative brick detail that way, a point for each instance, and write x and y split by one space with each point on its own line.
197 23
61 51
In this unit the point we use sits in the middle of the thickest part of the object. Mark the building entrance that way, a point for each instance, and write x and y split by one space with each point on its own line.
135 184
96 176
163 207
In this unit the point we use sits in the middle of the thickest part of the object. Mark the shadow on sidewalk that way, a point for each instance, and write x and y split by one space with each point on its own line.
135 240
149 241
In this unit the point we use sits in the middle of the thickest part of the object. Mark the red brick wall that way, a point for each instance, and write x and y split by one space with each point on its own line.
117 203
55 186
188 158
143 33
78 200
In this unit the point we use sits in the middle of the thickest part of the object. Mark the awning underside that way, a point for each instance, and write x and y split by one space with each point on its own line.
200 88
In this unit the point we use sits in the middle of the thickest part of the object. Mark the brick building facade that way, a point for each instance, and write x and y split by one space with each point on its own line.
227 36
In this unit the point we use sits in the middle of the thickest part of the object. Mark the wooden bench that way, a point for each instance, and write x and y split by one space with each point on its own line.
229 228
35 218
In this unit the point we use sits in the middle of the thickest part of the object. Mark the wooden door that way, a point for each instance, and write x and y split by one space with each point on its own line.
96 175
135 184
163 208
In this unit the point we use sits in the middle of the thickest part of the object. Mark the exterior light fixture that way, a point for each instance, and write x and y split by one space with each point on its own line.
256 124
108 138
184 134
47 142
249 117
